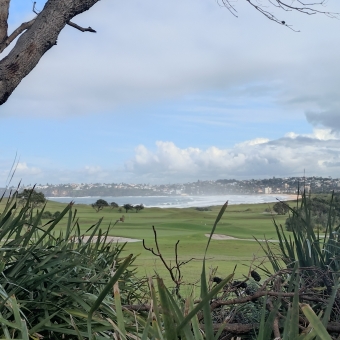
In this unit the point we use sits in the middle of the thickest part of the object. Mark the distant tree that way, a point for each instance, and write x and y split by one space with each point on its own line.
99 205
127 207
47 214
281 208
139 207
35 198
114 205
56 214
203 209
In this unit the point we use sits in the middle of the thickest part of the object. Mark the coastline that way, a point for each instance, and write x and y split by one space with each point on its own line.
179 201
291 197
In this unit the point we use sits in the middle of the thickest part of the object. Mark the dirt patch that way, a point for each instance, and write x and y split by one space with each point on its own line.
221 237
112 239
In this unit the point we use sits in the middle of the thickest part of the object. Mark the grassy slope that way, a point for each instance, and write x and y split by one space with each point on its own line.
188 226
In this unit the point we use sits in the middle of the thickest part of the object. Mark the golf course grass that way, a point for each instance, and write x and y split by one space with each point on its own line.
189 226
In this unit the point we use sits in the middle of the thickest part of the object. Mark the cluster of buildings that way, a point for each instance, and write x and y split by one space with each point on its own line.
287 185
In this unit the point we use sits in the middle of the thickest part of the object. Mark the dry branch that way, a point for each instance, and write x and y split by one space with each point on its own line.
82 29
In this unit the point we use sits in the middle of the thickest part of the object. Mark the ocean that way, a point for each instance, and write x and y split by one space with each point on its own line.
177 201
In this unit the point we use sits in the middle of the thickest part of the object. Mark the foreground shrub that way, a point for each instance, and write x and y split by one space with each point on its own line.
307 264
63 285
321 211
52 281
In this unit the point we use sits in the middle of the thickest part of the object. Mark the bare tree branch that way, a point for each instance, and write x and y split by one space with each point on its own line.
23 27
286 6
82 29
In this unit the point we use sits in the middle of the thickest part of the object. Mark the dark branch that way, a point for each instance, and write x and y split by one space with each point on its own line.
82 29
34 9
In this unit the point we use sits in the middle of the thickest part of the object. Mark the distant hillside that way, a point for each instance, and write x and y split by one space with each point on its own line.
274 185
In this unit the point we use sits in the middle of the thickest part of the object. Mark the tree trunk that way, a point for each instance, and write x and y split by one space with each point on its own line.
36 41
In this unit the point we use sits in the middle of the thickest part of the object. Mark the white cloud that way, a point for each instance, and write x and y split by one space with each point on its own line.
93 169
22 169
318 154
252 142
319 134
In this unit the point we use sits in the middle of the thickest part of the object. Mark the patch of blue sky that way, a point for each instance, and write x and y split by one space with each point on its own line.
23 10
194 121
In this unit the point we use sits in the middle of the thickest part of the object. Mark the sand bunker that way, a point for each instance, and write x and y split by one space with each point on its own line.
113 239
221 237
226 237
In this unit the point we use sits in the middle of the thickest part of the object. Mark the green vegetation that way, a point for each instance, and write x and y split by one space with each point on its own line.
281 208
138 207
203 208
189 226
320 214
114 205
35 198
127 207
61 279
52 281
99 205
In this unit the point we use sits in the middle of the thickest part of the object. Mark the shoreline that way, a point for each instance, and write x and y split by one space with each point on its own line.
169 196
179 201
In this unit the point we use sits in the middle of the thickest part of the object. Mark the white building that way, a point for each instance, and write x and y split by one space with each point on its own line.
268 190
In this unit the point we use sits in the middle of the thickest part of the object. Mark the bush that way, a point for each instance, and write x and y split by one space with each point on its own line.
203 209
56 214
47 214
318 210
308 261
52 281
281 208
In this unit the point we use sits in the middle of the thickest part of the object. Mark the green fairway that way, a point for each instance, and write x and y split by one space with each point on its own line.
189 226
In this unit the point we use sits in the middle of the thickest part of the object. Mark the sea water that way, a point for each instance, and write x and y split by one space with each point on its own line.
176 201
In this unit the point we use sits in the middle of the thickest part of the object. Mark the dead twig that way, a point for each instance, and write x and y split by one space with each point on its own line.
175 270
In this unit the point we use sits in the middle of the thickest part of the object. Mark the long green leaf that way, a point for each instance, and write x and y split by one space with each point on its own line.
106 290
315 322
205 300
167 312
120 316
219 216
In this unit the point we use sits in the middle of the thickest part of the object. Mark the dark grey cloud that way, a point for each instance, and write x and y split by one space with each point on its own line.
302 141
329 119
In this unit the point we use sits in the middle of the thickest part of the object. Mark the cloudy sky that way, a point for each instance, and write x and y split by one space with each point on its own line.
175 91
